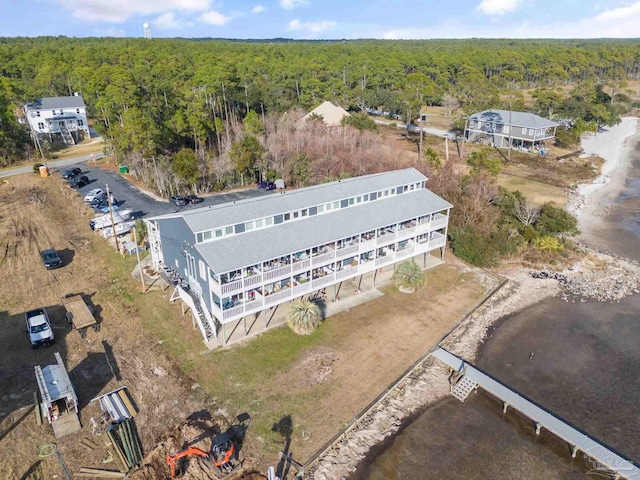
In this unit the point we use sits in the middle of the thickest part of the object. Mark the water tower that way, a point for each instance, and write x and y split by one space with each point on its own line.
147 30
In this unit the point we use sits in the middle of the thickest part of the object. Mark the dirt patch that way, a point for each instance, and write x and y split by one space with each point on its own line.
315 368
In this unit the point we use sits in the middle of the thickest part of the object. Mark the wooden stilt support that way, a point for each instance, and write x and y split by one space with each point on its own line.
424 260
336 291
538 428
505 406
375 273
244 319
224 334
574 451
360 282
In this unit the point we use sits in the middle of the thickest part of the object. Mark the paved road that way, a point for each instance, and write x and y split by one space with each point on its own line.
54 164
130 197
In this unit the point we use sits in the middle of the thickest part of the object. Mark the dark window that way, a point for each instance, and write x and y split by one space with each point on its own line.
77 110
277 219
373 196
305 212
199 237
313 211
239 228
344 203
399 190
287 217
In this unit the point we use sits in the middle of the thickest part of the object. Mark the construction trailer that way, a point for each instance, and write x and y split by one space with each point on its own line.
59 402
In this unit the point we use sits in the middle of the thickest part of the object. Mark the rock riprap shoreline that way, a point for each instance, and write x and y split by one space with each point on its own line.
601 276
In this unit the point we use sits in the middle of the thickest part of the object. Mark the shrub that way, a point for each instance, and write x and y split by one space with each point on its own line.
304 316
408 277
36 167
361 121
566 138
474 247
548 244
481 161
554 220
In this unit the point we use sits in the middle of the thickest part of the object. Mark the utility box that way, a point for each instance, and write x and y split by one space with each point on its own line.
59 403
124 169
44 171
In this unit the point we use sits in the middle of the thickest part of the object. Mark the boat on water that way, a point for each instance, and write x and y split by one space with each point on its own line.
104 221
120 229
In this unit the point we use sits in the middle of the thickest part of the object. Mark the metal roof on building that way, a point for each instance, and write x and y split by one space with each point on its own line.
516 119
253 247
51 103
241 211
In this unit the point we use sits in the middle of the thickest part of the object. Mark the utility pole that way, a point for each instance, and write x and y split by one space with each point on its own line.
113 222
135 239
446 147
464 133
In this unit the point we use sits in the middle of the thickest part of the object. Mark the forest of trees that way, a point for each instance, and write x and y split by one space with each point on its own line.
202 115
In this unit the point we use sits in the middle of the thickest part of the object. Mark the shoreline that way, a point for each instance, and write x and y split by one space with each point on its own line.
429 383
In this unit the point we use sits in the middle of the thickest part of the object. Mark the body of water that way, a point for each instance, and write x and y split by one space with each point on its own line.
585 367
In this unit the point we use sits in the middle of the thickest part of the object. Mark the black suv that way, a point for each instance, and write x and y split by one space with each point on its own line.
71 172
79 181
51 259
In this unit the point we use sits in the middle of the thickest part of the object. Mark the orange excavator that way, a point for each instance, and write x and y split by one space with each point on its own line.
222 455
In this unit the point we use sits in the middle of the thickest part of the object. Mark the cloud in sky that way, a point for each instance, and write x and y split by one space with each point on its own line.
291 4
258 9
167 21
214 18
619 22
497 7
118 11
311 28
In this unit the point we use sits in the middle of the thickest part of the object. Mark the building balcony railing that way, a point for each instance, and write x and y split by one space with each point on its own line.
347 251
322 281
252 280
301 289
346 272
367 246
276 297
388 258
231 286
324 258
439 221
386 238
438 240
257 304
406 233
277 273
232 312
407 252
301 266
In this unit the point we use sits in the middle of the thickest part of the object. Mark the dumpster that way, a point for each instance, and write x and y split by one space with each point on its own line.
44 171
124 169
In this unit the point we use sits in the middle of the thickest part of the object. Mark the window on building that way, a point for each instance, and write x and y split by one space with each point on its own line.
399 190
278 219
78 111
203 269
505 129
249 226
531 131
524 130
207 236
37 113
287 217
218 233
305 212
80 122
228 231
198 238
268 221
313 211
296 214
358 199
260 223
239 228
373 196
336 205
320 209
61 123
40 126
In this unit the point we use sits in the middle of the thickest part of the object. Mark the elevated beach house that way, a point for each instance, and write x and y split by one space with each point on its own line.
63 118
499 127
232 261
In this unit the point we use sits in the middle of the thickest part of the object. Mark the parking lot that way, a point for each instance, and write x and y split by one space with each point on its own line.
143 205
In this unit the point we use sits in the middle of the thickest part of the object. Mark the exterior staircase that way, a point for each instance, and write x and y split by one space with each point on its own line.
207 326
66 135
463 388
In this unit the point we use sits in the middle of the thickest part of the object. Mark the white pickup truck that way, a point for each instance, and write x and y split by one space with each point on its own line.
39 328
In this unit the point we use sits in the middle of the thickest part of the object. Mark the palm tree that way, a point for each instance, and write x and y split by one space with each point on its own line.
408 277
304 316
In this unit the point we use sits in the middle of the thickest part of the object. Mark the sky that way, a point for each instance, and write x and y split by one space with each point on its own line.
323 19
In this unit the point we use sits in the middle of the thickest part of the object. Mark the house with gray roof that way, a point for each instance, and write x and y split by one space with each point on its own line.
499 127
238 259
63 118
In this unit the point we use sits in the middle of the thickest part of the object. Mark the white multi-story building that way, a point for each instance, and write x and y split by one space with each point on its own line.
64 116
236 259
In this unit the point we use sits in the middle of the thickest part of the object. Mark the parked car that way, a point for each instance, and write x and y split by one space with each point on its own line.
78 181
194 199
178 200
51 259
93 194
267 185
39 328
71 172
102 199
